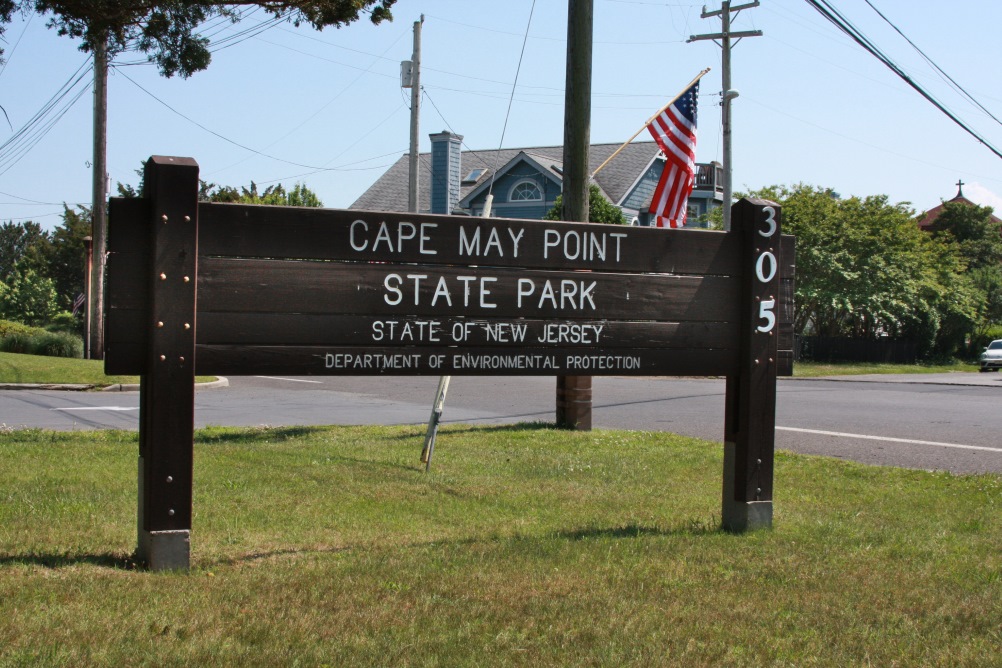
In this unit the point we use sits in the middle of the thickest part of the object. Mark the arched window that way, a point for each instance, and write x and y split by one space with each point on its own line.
525 191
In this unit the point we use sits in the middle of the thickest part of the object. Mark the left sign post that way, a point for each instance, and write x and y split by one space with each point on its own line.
167 385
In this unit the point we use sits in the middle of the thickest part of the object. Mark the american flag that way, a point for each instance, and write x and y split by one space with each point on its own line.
674 129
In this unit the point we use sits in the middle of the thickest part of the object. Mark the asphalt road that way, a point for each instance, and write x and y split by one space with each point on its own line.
940 423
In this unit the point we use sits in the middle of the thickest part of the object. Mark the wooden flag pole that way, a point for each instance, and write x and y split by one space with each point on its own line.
648 122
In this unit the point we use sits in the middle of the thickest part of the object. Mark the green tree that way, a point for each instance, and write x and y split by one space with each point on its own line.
988 282
275 195
22 246
165 30
600 210
976 235
974 230
28 298
66 260
864 269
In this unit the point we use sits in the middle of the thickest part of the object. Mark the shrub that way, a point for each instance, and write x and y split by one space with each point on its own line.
17 342
18 338
11 327
64 321
57 344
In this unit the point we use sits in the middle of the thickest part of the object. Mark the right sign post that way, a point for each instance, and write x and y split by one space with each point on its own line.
750 412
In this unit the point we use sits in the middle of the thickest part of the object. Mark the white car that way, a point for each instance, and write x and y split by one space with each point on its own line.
991 359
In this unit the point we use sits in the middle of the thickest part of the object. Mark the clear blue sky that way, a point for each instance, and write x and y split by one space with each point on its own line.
327 109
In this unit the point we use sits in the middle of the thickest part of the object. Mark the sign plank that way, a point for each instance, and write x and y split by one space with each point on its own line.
267 286
234 230
466 361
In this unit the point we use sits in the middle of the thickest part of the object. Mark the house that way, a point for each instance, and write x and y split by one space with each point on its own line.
930 216
525 182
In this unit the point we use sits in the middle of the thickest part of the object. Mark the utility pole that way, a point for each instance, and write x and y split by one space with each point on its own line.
727 94
413 200
574 392
99 201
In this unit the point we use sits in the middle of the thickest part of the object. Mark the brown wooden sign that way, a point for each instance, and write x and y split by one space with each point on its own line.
236 289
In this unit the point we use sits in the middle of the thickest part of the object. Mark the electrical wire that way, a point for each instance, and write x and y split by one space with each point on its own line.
41 123
518 69
216 134
340 92
956 86
843 24
3 65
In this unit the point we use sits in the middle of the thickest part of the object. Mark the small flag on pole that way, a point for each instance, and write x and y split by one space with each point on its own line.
674 130
78 302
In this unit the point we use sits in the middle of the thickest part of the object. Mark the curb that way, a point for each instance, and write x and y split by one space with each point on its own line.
46 386
118 387
134 387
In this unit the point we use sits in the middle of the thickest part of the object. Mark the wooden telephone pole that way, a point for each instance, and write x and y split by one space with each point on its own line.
413 198
574 392
99 202
725 36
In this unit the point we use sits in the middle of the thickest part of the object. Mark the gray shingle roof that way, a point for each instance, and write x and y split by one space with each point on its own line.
389 192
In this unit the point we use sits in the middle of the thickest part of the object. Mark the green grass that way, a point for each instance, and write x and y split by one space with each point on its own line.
16 368
524 546
815 369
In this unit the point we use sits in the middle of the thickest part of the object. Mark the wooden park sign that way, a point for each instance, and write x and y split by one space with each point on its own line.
227 289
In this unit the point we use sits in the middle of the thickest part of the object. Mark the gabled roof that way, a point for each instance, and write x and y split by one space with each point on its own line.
542 163
389 192
932 214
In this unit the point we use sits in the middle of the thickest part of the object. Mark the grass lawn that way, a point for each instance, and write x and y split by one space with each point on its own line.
815 369
525 546
16 368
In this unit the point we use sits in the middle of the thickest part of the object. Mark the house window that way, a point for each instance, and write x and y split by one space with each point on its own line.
525 191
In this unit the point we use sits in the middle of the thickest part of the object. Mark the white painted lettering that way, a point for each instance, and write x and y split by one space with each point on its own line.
441 290
484 292
423 241
392 285
383 235
469 245
356 245
525 289
515 240
551 239
493 239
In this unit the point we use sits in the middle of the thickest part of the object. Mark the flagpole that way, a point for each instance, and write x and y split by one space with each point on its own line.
648 122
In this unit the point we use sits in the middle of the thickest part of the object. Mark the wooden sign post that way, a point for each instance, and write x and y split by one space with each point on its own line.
167 384
750 408
228 289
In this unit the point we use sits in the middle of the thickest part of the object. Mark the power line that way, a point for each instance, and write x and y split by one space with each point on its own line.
514 85
216 134
3 65
956 86
843 24
341 91
42 122
315 168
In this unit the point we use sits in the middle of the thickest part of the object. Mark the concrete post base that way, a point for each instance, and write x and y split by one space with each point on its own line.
737 515
740 516
165 550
